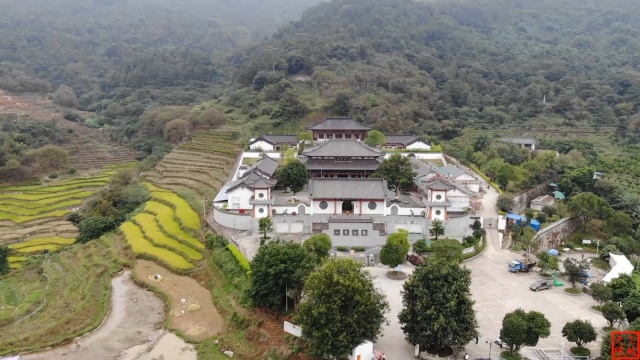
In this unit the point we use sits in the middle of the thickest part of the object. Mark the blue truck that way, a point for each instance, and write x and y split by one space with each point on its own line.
520 266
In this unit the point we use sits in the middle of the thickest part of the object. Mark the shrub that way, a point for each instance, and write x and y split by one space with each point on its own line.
75 218
505 203
93 227
358 248
242 261
215 242
53 175
470 239
479 233
72 170
421 246
342 248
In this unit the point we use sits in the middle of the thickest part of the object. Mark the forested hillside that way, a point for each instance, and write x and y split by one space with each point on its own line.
436 67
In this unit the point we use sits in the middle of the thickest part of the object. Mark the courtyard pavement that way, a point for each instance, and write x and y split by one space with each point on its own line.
496 292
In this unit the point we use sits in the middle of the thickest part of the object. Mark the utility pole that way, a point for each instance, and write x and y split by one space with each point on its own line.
286 298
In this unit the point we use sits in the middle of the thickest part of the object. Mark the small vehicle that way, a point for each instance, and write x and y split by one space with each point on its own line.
540 285
520 266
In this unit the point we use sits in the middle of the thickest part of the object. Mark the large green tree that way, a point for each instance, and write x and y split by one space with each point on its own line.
394 251
601 293
341 309
294 175
612 312
447 249
580 332
398 171
436 229
588 206
621 287
438 308
575 271
375 138
277 271
318 245
631 306
521 328
265 225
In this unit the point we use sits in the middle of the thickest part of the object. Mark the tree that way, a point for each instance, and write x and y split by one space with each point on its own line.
612 312
505 203
580 332
177 130
588 206
4 260
93 227
49 157
277 271
436 229
504 174
397 170
621 287
438 308
619 223
546 261
265 225
449 250
65 96
394 252
521 328
293 175
631 306
306 137
375 138
318 245
575 271
601 293
342 308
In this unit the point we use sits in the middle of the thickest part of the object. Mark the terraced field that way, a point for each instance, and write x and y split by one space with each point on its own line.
199 166
32 216
161 232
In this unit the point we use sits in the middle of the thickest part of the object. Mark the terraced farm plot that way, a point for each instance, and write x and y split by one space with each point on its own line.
164 217
183 212
144 248
36 211
199 166
152 231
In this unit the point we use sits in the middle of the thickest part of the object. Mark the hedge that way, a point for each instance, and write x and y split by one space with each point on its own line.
242 261
478 249
486 178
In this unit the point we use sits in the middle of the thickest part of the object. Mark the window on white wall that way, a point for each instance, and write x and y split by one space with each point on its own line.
438 212
372 205
261 210
323 205
438 197
260 195
364 232
336 232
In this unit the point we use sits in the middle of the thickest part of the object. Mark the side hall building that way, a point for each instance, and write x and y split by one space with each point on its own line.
341 159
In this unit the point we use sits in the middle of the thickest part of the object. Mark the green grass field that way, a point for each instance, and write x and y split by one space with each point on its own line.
77 297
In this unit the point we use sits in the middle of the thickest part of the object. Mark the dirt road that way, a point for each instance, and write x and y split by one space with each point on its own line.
136 317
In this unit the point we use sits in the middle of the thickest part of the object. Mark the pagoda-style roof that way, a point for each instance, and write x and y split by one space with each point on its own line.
438 182
355 164
405 140
276 139
252 180
342 148
335 188
266 165
339 124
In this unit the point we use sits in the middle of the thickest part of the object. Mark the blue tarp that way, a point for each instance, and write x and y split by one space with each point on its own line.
553 252
535 224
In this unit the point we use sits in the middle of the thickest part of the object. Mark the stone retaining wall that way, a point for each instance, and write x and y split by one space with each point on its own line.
521 202
554 234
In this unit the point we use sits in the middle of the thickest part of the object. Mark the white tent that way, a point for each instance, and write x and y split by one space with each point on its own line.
619 265
17 357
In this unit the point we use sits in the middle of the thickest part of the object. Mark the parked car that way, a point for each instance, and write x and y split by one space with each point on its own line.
541 285
498 341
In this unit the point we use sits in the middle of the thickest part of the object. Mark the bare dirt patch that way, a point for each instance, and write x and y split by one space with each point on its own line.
196 317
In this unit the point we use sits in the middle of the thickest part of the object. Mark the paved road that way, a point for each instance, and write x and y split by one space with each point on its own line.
496 292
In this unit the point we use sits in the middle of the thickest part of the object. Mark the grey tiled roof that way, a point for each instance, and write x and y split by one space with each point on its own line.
452 170
401 139
252 180
343 148
277 139
355 164
266 165
339 124
438 183
324 188
520 140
